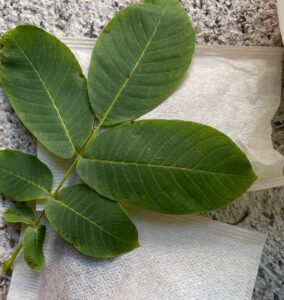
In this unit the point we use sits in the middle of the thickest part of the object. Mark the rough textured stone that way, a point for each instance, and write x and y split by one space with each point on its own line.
238 22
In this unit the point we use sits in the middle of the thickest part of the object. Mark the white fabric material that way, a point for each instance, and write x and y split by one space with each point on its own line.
235 90
179 258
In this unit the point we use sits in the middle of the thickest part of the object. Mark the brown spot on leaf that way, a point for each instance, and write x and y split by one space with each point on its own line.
107 30
130 74
82 76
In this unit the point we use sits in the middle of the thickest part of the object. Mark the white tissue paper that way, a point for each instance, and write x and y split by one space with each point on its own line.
236 90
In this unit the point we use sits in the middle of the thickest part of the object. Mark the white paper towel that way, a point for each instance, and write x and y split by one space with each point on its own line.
188 258
235 90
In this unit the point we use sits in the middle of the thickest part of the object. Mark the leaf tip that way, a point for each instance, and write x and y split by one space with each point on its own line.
255 177
34 266
252 174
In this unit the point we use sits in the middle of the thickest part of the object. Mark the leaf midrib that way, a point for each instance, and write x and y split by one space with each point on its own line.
26 180
38 252
134 68
88 220
153 165
48 93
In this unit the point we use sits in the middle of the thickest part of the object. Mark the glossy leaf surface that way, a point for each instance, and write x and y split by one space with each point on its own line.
32 243
168 166
19 213
139 59
44 83
23 177
94 225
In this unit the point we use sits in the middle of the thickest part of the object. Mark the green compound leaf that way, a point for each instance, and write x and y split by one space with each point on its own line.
44 83
23 177
139 59
169 166
95 226
32 243
19 213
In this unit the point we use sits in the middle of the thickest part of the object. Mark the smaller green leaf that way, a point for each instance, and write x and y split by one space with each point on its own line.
32 243
19 213
24 177
94 225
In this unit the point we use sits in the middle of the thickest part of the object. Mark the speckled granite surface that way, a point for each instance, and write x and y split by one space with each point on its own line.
234 22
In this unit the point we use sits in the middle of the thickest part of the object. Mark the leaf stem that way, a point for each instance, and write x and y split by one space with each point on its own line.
40 215
67 174
90 139
79 156
7 264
